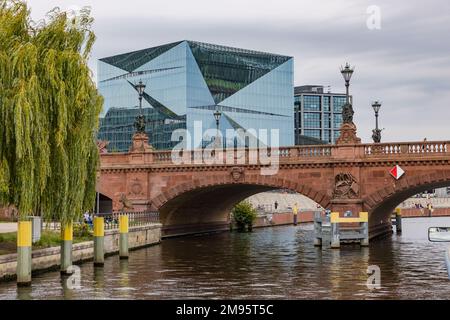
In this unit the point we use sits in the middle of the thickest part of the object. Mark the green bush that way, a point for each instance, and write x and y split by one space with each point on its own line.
81 231
244 215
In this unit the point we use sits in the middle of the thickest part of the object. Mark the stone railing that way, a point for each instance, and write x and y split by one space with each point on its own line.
162 156
238 155
414 148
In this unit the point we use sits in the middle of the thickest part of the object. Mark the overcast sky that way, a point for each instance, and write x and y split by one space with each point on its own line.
405 63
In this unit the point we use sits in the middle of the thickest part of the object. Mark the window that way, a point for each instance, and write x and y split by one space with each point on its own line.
327 120
327 136
326 104
338 102
312 120
337 120
313 133
297 102
311 103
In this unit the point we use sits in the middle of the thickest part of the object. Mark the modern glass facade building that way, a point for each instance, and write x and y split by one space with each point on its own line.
317 115
186 82
117 128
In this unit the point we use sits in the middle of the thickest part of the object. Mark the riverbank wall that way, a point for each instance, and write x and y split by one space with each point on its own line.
49 258
416 212
282 218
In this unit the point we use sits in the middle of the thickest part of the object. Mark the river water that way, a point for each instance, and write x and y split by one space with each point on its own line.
270 263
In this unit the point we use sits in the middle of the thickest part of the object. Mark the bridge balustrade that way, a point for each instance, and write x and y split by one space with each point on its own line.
284 153
439 147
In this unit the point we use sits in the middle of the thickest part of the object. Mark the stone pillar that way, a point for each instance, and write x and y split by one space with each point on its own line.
24 260
140 143
66 247
398 220
123 240
335 240
364 216
99 239
318 229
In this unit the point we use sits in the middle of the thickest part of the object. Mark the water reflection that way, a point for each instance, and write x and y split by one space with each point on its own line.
24 293
67 289
273 263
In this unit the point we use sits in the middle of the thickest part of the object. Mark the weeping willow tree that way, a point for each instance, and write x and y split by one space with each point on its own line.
49 109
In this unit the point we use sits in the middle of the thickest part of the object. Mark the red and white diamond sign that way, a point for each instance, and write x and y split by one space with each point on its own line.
397 172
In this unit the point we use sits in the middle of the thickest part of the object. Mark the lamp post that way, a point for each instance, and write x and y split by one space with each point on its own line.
347 109
217 114
376 133
140 119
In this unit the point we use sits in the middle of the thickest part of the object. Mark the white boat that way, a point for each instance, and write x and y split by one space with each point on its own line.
439 236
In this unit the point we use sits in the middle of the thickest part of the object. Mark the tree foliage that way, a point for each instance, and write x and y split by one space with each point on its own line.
49 108
244 215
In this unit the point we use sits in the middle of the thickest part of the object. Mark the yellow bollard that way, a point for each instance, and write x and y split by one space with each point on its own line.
66 247
398 220
99 238
24 260
123 240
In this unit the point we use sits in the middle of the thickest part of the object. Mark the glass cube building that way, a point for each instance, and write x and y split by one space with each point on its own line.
186 82
317 115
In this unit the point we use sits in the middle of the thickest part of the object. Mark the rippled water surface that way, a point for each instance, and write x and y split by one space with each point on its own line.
270 263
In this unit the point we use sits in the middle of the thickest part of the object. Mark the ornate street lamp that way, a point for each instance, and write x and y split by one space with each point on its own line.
376 133
347 109
139 124
217 114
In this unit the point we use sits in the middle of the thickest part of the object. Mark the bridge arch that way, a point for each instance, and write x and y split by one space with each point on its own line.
381 203
206 203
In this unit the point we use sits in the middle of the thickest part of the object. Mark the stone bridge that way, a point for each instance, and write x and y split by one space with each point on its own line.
193 196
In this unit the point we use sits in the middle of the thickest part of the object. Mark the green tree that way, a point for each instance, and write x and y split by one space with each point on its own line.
49 109
244 215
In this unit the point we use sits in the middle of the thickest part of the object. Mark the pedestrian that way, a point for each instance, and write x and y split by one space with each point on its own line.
295 212
86 217
276 205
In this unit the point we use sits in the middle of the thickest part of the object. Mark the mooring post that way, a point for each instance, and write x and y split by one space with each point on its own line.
318 229
398 220
99 236
66 246
24 261
364 224
123 240
335 241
